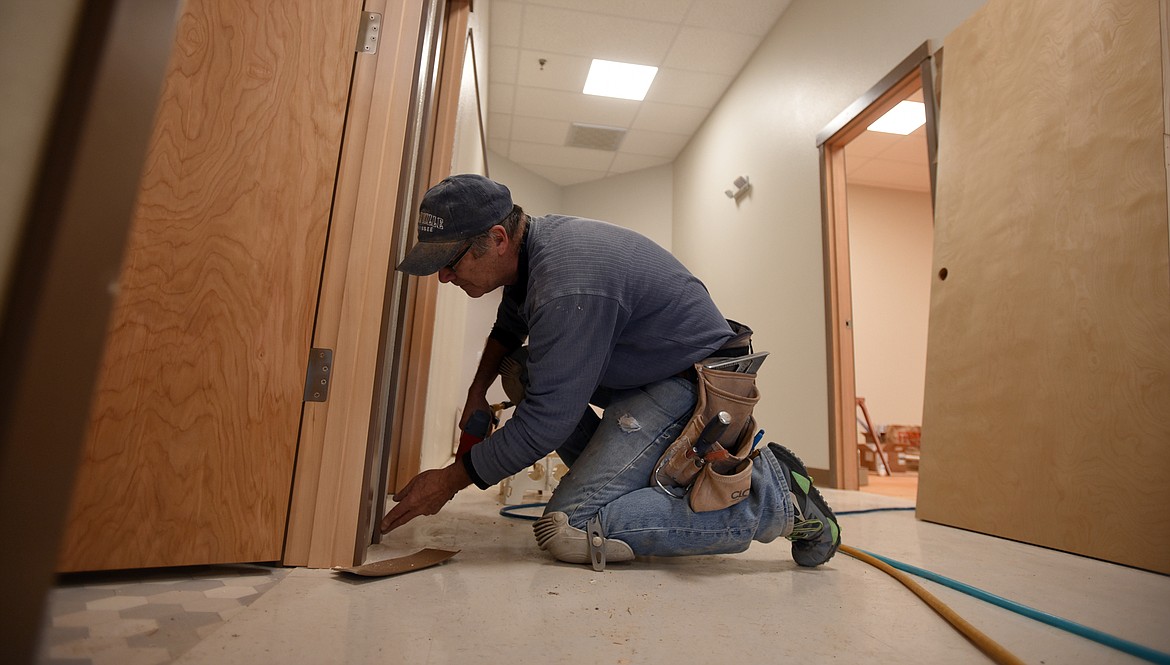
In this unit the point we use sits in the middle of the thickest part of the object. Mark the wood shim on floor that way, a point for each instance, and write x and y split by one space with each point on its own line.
424 558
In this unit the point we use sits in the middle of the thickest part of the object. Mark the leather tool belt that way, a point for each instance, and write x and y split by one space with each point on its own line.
710 462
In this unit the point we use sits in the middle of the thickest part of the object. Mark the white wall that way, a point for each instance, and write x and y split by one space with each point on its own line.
890 245
762 259
537 195
640 200
446 390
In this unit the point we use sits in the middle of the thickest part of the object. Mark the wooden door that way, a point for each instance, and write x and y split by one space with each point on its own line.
190 450
1047 413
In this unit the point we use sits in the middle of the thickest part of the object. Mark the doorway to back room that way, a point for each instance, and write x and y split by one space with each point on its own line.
891 230
877 195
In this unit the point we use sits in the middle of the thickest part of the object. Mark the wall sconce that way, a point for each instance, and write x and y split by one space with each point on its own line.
742 185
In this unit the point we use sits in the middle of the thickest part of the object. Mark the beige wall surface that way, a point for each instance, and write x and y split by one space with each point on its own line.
762 259
447 388
641 200
535 194
890 234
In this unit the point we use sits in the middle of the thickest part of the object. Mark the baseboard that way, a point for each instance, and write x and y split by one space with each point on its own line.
821 477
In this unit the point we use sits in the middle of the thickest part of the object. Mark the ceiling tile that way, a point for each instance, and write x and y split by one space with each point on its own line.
498 146
595 35
501 97
560 71
870 144
711 51
751 17
562 156
855 163
499 125
506 18
655 144
540 130
502 65
675 86
669 118
667 11
575 107
910 148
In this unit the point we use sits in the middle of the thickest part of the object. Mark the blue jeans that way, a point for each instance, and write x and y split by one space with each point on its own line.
611 461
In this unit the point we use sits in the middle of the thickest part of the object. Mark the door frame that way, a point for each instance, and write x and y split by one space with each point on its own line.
397 429
917 69
376 320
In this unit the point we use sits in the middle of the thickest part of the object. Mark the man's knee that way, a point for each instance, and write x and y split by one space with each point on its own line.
572 545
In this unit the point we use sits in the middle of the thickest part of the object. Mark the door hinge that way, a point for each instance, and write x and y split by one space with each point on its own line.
371 25
317 375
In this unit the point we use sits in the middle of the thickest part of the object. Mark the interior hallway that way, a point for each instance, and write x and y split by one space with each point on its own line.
501 600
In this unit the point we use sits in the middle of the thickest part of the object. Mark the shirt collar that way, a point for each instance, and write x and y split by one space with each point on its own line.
521 285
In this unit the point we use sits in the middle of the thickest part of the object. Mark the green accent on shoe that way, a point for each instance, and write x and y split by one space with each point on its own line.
812 543
804 483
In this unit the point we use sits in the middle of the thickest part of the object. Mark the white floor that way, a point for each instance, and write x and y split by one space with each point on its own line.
501 600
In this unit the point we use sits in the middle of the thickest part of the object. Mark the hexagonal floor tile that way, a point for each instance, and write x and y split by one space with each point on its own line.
116 603
230 592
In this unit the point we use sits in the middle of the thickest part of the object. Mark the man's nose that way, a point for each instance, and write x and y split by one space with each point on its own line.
446 274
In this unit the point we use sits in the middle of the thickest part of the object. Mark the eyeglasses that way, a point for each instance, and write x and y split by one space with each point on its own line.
458 257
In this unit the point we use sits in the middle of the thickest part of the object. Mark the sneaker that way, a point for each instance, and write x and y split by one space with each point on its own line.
815 534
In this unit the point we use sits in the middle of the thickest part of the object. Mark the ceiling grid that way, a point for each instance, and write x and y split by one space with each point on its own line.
699 46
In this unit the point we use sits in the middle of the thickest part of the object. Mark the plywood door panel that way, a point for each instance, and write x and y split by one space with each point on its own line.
190 451
1047 413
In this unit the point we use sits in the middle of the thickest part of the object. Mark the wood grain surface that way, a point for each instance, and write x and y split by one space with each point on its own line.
327 500
1047 414
190 452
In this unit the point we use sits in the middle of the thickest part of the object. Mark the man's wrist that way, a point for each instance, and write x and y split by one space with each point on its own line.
458 476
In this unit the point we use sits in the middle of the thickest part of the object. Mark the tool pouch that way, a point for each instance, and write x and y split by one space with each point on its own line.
728 481
733 392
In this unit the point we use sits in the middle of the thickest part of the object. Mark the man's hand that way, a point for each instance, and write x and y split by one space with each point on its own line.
426 494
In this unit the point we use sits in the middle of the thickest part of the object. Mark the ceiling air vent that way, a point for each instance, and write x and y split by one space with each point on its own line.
595 137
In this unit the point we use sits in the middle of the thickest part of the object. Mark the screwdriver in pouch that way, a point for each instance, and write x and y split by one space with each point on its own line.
710 435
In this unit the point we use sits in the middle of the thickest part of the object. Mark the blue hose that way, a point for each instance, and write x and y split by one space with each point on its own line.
872 510
507 511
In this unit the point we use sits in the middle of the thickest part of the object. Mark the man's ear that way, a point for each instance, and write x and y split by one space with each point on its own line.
500 237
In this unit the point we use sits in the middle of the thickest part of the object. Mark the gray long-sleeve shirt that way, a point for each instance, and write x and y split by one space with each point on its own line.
601 305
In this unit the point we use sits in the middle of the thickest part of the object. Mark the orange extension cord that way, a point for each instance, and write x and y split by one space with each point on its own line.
993 649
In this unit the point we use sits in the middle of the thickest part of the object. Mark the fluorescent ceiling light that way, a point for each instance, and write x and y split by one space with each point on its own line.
904 118
618 79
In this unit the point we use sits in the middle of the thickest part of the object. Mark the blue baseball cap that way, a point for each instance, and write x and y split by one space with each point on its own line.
452 212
